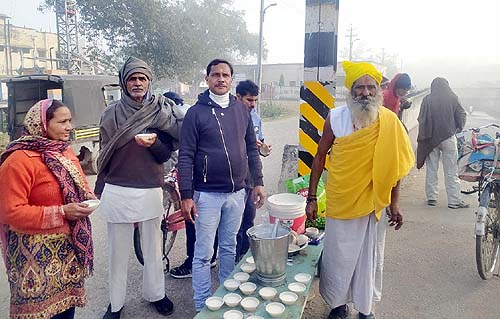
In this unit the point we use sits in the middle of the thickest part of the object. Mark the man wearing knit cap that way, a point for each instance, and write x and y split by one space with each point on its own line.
369 154
137 135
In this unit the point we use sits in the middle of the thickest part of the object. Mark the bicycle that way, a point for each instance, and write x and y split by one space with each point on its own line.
171 221
487 226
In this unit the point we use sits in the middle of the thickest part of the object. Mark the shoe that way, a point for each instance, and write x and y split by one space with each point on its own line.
184 271
112 315
340 312
459 205
370 316
164 306
181 272
431 202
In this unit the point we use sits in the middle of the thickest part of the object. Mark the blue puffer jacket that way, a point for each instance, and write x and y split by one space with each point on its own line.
217 148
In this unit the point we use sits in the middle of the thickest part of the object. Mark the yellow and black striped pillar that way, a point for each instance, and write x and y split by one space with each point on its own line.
320 66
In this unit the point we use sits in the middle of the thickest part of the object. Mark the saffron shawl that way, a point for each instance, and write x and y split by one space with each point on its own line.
364 167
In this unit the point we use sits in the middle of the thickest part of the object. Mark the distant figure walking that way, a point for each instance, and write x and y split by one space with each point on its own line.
441 116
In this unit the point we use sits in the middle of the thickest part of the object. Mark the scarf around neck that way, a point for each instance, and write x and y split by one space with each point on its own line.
127 117
68 176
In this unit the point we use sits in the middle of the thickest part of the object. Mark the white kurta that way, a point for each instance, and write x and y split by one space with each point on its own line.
130 205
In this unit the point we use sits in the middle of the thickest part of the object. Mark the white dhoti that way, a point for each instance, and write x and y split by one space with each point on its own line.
379 257
122 207
349 262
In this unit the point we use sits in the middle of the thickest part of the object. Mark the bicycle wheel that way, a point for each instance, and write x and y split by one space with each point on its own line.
487 245
137 246
168 237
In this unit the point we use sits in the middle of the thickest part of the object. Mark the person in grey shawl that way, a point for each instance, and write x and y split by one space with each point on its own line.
441 117
138 133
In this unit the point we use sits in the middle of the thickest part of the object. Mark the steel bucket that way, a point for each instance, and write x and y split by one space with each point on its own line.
270 254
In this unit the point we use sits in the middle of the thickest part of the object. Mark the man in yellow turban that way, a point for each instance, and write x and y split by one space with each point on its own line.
369 154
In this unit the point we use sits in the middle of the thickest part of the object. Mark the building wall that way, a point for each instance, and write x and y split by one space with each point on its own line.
28 48
293 73
293 78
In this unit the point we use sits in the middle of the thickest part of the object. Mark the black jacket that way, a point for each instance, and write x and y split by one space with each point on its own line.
217 148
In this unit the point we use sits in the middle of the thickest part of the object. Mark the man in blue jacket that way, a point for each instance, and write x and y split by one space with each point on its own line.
218 147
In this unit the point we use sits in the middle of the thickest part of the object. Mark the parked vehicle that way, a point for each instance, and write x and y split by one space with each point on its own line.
478 162
86 96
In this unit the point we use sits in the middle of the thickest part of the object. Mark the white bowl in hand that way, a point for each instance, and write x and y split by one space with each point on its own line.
93 203
145 136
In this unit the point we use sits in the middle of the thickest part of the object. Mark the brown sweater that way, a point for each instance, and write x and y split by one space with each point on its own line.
136 166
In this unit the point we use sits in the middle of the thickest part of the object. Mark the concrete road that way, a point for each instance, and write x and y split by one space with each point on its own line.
429 269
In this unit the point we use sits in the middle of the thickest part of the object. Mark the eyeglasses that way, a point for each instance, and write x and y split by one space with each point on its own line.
370 87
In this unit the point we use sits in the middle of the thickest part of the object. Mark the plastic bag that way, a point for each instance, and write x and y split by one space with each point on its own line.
300 186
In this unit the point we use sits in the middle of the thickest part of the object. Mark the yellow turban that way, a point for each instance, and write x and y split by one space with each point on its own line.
355 70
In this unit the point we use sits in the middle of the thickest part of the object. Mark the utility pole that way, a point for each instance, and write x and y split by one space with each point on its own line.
351 37
7 36
259 57
320 67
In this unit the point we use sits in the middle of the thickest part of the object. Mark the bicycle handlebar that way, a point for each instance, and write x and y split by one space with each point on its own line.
479 128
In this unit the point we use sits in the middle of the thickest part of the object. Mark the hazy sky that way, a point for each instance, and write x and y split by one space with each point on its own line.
449 37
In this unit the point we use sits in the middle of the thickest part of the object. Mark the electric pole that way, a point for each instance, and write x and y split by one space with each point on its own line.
352 39
259 56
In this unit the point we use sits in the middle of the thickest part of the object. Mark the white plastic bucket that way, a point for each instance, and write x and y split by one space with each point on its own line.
288 207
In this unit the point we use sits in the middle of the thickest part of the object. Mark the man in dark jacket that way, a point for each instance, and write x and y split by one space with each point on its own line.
441 117
217 149
137 135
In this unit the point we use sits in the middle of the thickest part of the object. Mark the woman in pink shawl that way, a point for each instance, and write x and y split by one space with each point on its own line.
46 232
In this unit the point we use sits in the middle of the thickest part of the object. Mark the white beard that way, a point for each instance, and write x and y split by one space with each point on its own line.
364 112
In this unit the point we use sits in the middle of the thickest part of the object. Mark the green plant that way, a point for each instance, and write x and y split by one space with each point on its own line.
271 109
319 223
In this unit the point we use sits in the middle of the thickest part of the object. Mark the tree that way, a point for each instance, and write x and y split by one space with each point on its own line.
174 36
282 80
